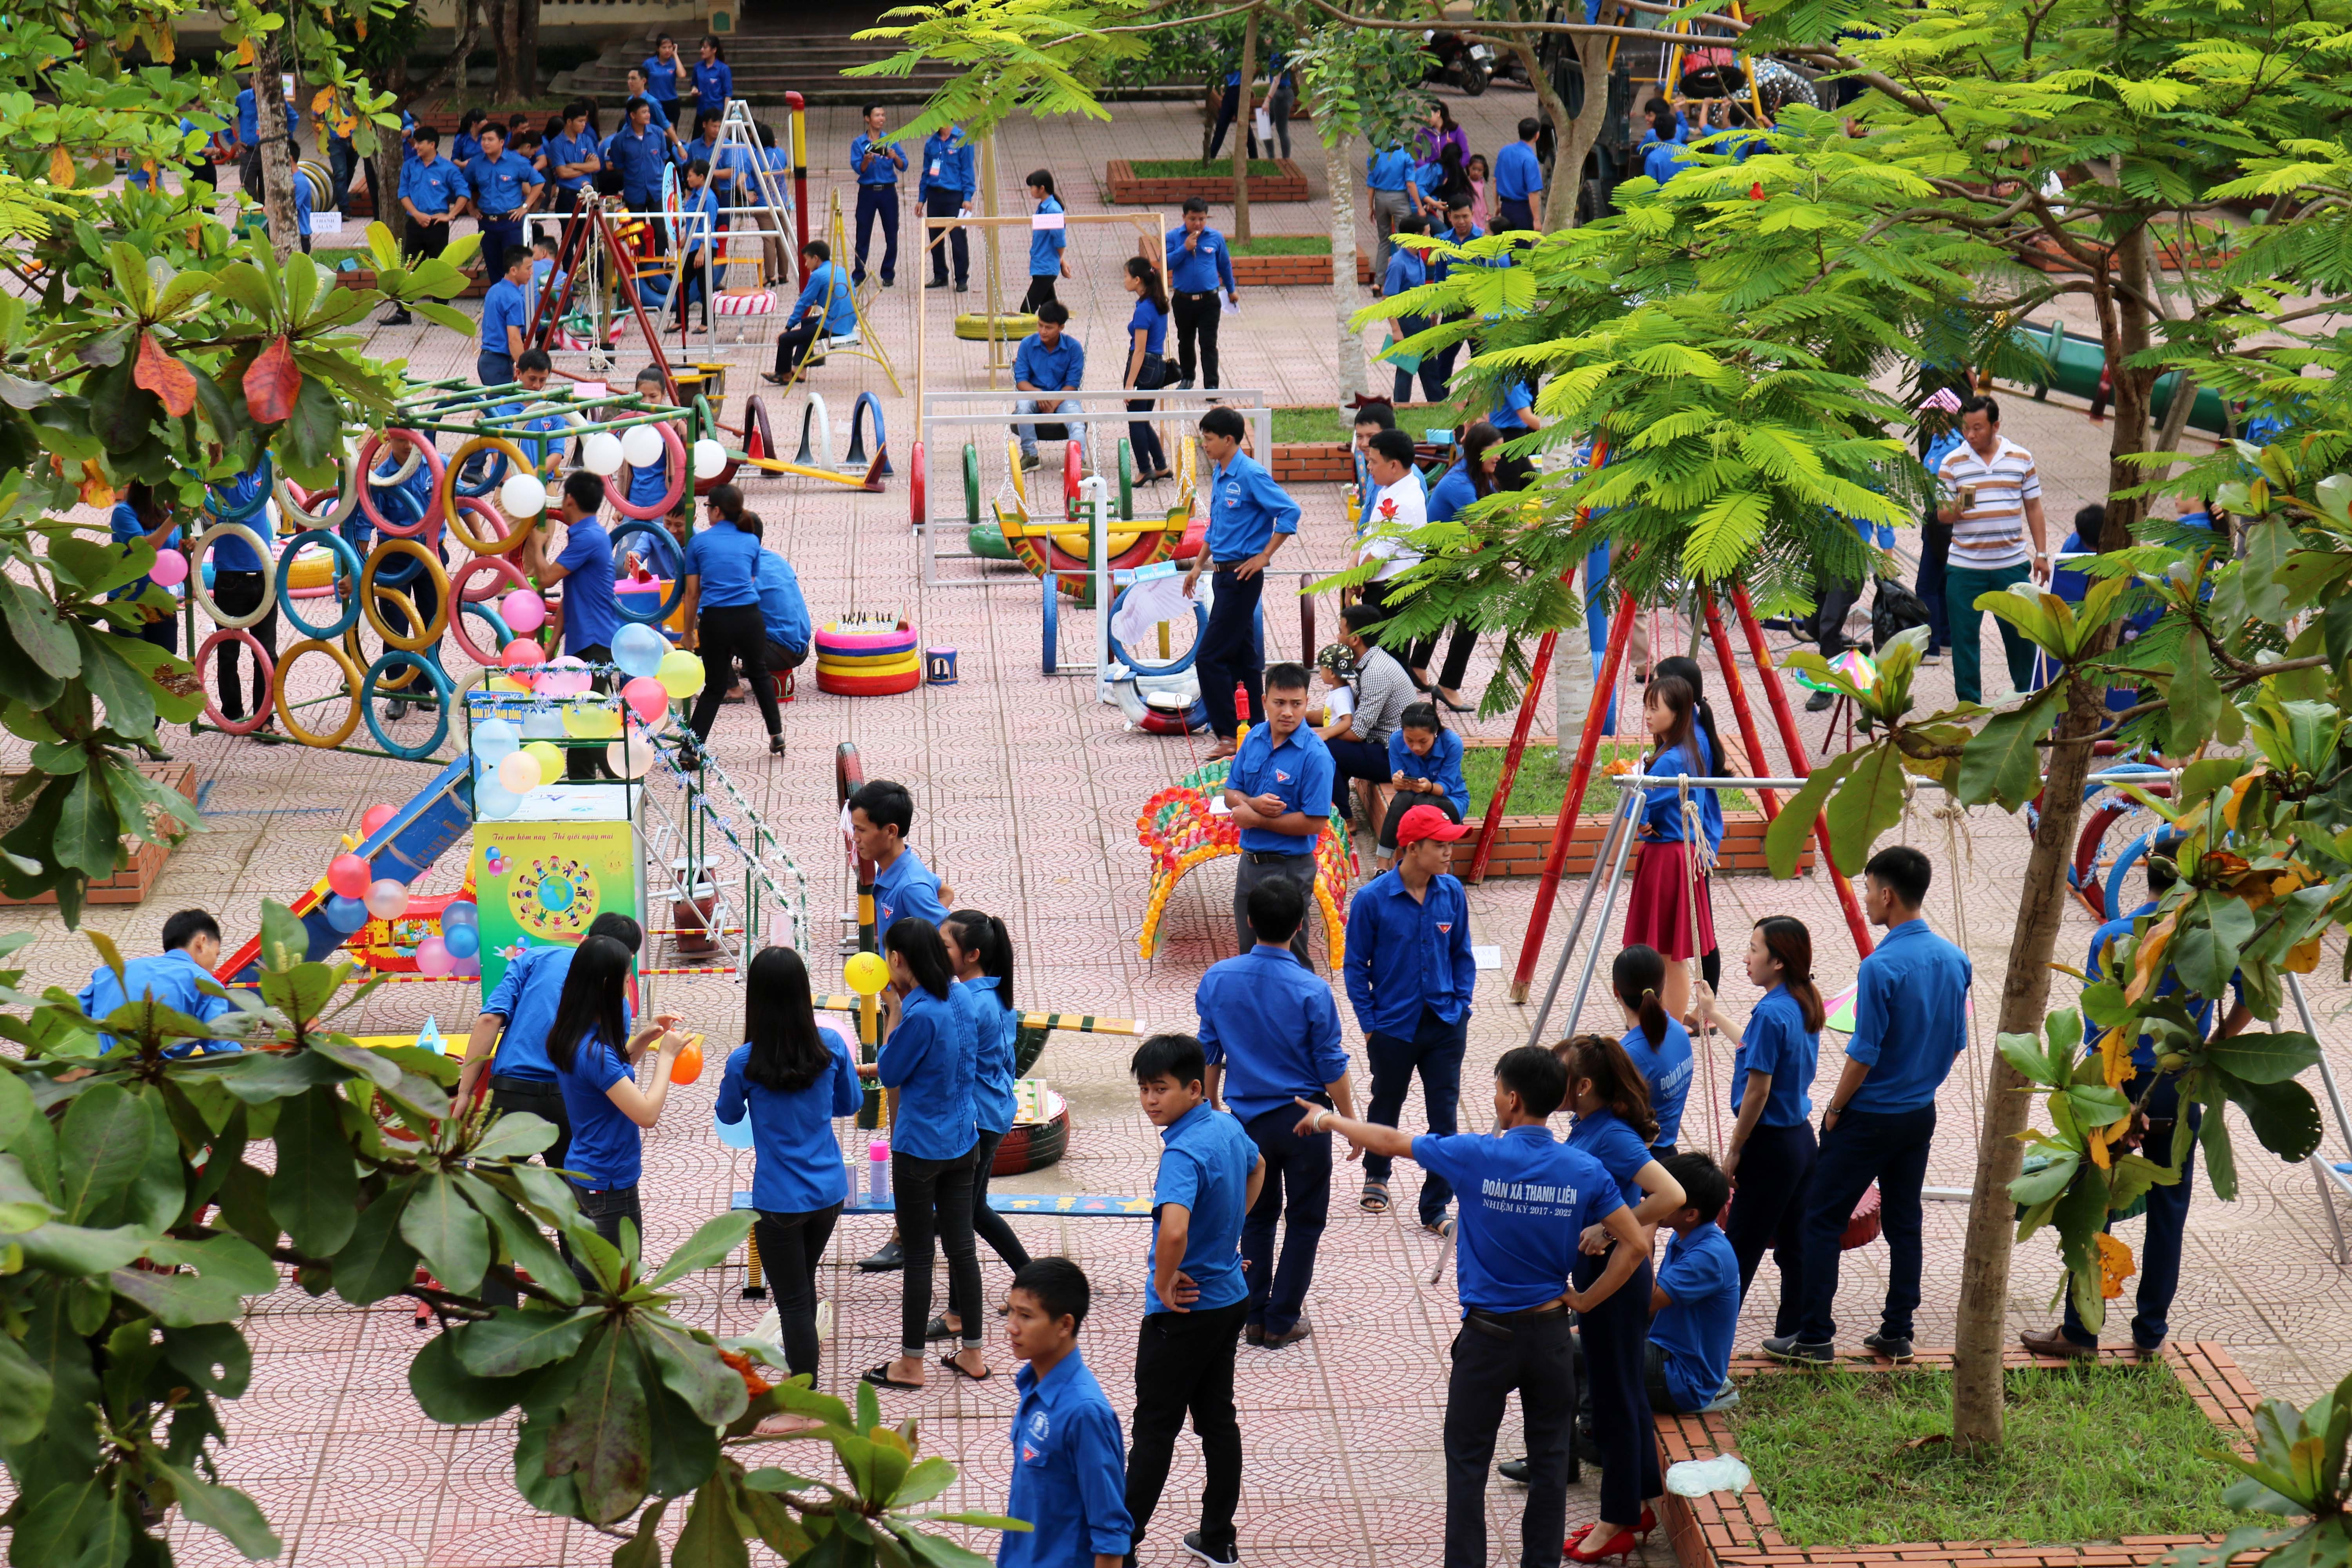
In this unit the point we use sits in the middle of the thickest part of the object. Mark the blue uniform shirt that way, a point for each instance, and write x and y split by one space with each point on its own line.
714 84
828 285
1515 397
1524 1201
1407 269
888 160
1450 495
1206 266
591 611
994 1027
796 1159
432 187
1664 160
1388 169
566 149
1205 1161
525 997
1057 369
502 183
783 611
1701 1279
697 216
1069 1472
1518 173
125 526
607 1148
1299 771
1442 766
727 560
1617 1147
950 164
1667 1066
1045 244
1247 509
2167 984
661 80
1405 955
170 979
906 886
508 304
248 118
1776 1041
1661 806
1269 1021
1152 322
233 554
640 158
1910 1018
464 147
930 1060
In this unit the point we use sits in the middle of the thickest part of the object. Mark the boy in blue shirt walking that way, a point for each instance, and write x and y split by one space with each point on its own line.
1910 1024
1195 1298
1046 242
1069 1472
877 162
1250 516
1200 263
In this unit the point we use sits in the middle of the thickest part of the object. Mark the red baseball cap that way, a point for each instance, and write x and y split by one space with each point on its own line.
1427 822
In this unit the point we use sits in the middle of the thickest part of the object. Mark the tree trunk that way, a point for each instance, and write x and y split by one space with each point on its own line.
383 186
1337 174
1245 124
1575 141
527 47
469 15
1571 684
276 153
501 14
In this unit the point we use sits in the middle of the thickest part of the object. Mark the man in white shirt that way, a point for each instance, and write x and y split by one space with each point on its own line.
1989 491
1396 507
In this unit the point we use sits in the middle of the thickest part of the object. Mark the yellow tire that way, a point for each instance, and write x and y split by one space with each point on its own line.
414 642
517 529
353 680
972 327
878 664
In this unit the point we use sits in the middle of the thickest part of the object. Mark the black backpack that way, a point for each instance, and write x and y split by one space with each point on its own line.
1895 610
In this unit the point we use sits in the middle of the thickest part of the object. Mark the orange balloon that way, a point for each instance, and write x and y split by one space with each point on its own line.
689 1065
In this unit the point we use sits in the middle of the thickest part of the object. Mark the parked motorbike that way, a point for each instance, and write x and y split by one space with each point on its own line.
1457 62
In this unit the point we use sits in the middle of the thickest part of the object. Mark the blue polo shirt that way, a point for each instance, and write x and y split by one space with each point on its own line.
930 1060
1515 397
1299 771
828 285
640 157
1662 806
2166 985
1701 1279
525 997
888 159
906 886
1069 1472
592 610
994 1028
1664 160
1910 1018
1776 1041
1247 509
727 559
1442 267
1407 269
1617 1147
1518 173
1152 322
1443 765
508 304
714 84
248 118
796 1159
563 148
233 554
1452 495
948 164
607 1148
1524 1201
464 147
502 183
1056 369
170 980
1388 169
1203 267
661 79
124 525
1045 244
697 216
1269 1021
1405 955
783 611
1667 1066
432 187
1205 1161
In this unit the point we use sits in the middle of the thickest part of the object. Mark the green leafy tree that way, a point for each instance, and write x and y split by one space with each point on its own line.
2297 1471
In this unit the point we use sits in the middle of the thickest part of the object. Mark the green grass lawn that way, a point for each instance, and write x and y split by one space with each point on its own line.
2094 1453
1284 245
1196 169
1297 425
1540 784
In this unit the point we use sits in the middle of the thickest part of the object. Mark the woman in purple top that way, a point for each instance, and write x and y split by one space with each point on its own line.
1441 133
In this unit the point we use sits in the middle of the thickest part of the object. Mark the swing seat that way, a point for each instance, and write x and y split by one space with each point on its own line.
746 302
847 340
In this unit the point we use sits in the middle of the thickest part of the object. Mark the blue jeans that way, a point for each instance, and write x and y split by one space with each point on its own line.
1889 1147
872 202
2167 1220
1434 1052
1028 433
1297 1192
493 369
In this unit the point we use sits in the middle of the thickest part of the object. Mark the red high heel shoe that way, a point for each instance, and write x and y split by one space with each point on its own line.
1649 1523
1618 1545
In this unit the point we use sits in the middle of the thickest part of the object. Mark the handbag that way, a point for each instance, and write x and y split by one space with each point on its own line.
1152 373
1895 610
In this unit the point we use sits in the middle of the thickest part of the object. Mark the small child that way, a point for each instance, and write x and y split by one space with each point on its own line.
546 282
1425 769
1696 1299
1069 1469
1334 668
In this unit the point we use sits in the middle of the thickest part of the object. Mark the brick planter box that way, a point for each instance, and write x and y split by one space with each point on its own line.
365 279
135 881
1287 183
1722 1532
1294 272
1522 844
1313 462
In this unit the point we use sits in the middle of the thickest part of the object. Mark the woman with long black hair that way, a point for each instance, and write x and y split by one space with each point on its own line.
1146 366
1657 1045
930 1058
1669 908
594 1057
1710 804
792 1076
981 954
722 613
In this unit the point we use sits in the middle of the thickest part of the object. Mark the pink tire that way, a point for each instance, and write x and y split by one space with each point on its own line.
494 525
899 639
213 714
674 464
366 463
497 566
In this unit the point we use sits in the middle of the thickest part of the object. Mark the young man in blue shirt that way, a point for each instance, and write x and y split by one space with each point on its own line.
1195 1296
880 814
949 181
1520 181
249 136
1278 791
1069 1469
1411 976
1250 516
1910 1024
506 312
1526 1201
433 190
1387 173
1695 1298
1200 263
1049 360
824 309
783 612
1047 241
877 162
639 151
590 611
572 157
173 978
505 186
1272 1035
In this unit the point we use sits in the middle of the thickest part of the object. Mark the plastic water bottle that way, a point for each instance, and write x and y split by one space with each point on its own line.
877 1172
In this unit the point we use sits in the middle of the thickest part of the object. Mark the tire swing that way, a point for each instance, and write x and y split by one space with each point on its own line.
1033 1145
868 663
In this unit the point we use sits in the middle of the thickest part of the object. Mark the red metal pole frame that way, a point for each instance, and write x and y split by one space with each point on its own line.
1735 690
1490 824
1587 745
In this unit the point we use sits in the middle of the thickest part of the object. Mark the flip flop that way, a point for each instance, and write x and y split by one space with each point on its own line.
1375 1199
879 1376
955 1367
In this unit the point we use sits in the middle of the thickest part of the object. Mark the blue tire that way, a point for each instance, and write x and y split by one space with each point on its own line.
347 564
665 550
441 691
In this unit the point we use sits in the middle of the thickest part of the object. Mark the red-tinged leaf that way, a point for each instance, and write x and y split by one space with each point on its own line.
270 384
164 377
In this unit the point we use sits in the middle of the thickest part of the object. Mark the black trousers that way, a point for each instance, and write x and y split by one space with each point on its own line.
1228 652
1041 290
1435 1051
1776 1167
1366 760
1889 1147
791 1246
1296 1193
782 659
1196 317
1490 1359
1184 1363
1934 552
1614 1334
732 635
529 1097
501 234
237 593
878 202
1227 108
1837 601
605 1210
425 238
986 1223
933 1199
163 632
793 343
939 202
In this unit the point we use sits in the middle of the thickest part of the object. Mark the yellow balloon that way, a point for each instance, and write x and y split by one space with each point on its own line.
588 719
549 757
866 973
681 673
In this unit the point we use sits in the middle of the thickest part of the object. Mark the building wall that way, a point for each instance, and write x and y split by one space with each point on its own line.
556 18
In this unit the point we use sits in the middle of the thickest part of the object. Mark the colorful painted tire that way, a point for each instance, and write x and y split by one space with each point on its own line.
830 641
451 499
352 681
1176 666
665 546
499 630
343 561
296 508
204 596
419 664
972 327
365 462
987 541
759 434
871 668
495 566
413 640
972 492
673 468
1033 1145
261 660
498 536
867 686
918 490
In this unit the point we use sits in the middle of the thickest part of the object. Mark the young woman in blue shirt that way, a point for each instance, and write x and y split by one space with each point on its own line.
1772 1148
979 950
1658 1045
1146 336
931 1058
1669 908
721 610
594 1057
1710 803
144 513
1425 769
791 1076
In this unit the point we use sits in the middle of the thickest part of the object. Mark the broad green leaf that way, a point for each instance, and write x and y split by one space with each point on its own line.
2023 605
24 1389
231 1259
685 1446
2268 543
447 1393
601 1435
2026 1054
2284 1116
2221 1160
213 1356
713 1243
525 1244
516 1135
2195 698
927 1480
451 1234
15 1107
2040 1186
2204 952
517 1341
71 1249
1784 840
180 1300
315 1192
711 1389
102 1148
260 1077
2264 1059
53 1525
713 1536
1868 803
39 630
377 1261
644 1549
2003 764
224 1511
2079 1217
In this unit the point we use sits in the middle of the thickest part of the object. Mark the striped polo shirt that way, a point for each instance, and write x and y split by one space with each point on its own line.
1990 532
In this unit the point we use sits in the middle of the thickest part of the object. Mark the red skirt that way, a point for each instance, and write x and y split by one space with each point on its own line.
1658 914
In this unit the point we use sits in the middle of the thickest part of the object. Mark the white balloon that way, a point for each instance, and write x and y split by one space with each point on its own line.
522 496
630 758
642 446
709 459
601 454
542 725
494 740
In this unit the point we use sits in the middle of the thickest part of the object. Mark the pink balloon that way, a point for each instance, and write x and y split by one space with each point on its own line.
371 823
518 658
647 697
565 676
350 875
433 956
171 568
523 611
467 968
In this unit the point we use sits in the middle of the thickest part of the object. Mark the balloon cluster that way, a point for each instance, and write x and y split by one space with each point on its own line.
510 762
456 950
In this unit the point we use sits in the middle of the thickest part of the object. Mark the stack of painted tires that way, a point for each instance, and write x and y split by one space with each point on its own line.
868 661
